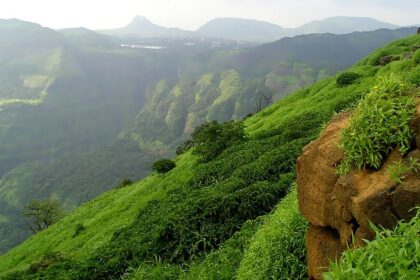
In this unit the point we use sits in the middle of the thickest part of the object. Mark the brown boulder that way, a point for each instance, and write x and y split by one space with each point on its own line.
321 242
316 172
408 55
387 59
339 208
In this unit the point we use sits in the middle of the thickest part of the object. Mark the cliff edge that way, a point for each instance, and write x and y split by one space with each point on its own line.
341 208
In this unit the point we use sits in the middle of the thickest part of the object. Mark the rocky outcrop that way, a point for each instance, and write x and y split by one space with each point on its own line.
340 209
387 59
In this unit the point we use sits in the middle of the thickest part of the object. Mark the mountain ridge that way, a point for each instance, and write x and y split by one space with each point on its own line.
244 29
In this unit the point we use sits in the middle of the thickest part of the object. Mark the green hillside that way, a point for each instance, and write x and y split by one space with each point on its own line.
80 113
63 98
232 215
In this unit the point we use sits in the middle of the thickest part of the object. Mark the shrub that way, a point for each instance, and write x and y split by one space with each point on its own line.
379 124
211 139
124 183
416 57
47 260
184 147
394 254
78 229
399 170
414 76
163 166
347 78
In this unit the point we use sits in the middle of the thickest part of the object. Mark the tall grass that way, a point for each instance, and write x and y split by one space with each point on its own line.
394 254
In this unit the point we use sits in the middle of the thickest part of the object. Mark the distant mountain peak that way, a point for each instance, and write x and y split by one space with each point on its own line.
140 26
140 20
342 25
241 29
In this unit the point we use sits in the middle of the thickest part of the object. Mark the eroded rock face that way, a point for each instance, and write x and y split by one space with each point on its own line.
339 208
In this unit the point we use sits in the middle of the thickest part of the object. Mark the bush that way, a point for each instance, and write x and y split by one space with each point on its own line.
78 229
163 166
347 78
124 183
379 124
211 139
394 254
399 170
184 147
416 57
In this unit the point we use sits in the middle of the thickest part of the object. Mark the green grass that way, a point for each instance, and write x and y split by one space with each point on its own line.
277 250
101 217
400 169
394 254
223 219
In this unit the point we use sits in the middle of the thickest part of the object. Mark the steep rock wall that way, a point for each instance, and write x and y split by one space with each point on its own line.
340 209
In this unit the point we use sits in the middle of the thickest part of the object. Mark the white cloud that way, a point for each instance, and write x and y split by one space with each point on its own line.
190 14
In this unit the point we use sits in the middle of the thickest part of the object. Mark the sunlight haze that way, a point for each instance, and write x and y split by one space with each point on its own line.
190 14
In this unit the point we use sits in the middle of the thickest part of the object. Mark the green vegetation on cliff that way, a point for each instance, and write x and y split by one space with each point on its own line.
231 216
394 254
379 124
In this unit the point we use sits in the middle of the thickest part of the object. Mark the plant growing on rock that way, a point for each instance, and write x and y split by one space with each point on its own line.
393 255
399 170
380 123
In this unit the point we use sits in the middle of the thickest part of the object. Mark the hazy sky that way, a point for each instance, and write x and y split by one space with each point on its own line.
190 14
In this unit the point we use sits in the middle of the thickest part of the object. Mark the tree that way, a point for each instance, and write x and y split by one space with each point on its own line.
263 98
43 213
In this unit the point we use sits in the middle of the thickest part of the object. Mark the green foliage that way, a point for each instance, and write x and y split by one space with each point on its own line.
163 166
202 220
399 170
416 57
347 78
78 229
184 147
224 262
75 180
124 183
277 250
211 139
379 124
394 254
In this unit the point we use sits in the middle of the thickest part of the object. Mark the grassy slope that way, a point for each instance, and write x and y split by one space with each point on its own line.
101 217
299 116
394 254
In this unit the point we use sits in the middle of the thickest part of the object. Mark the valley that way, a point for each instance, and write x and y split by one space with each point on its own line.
237 110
